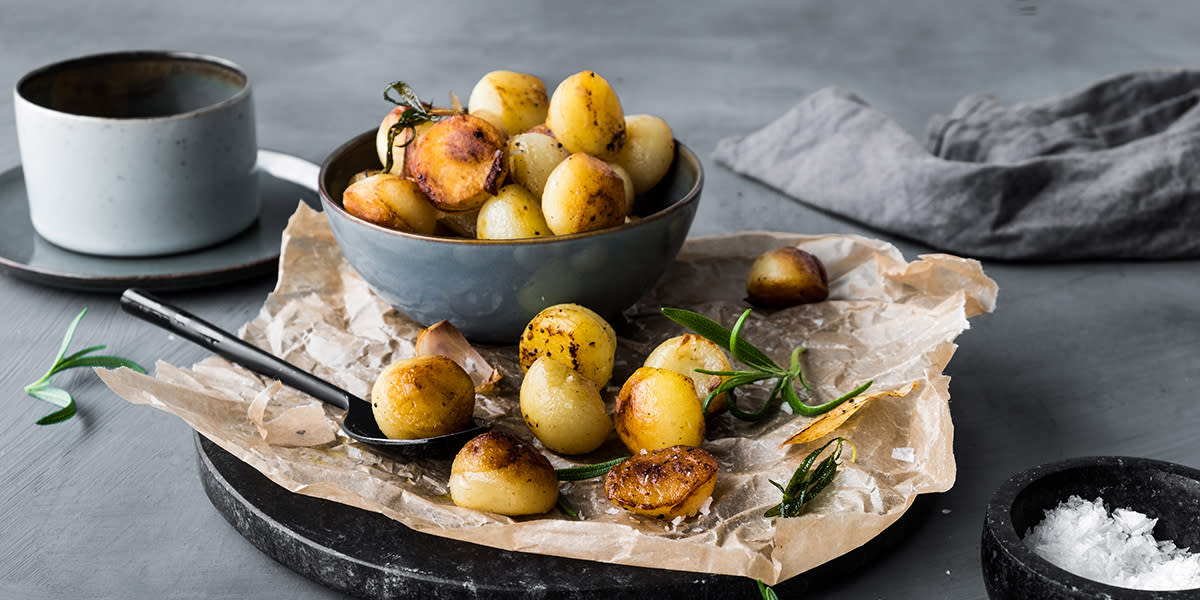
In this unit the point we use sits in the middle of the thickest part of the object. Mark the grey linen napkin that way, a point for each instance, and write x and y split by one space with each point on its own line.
1110 171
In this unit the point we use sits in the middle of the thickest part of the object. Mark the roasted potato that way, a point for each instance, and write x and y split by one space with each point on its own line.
657 408
422 397
390 201
562 408
400 142
514 102
667 483
648 152
786 276
583 194
531 157
627 181
459 162
500 473
688 352
512 213
573 335
585 115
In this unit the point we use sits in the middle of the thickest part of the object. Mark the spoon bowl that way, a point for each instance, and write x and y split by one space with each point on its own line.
358 422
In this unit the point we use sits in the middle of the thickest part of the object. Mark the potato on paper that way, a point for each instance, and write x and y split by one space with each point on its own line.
500 473
401 141
562 408
825 424
444 339
648 152
422 397
573 335
513 213
786 276
512 101
459 162
583 194
390 201
531 157
585 115
668 483
657 408
688 352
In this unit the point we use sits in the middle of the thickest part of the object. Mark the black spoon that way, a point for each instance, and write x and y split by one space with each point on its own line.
359 422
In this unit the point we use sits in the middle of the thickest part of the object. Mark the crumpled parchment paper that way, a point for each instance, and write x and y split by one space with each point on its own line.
887 319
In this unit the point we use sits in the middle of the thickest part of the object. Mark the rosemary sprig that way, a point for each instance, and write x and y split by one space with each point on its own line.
807 482
766 591
761 368
417 113
580 473
42 390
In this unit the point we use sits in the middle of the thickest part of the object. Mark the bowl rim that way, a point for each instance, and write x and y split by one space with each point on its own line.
681 149
999 523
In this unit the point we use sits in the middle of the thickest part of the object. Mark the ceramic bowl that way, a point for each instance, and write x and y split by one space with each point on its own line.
138 153
490 289
1162 490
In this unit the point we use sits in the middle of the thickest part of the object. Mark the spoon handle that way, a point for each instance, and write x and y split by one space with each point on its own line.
148 308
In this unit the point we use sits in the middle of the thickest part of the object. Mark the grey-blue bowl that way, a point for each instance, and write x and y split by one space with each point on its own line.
490 289
1166 491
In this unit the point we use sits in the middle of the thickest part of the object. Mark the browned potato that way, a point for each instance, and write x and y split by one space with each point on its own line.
563 408
399 143
657 408
390 201
586 116
688 352
648 152
500 473
573 335
785 277
459 162
583 194
668 483
422 397
512 101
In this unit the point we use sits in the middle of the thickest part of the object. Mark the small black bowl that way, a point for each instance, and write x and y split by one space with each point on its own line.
1161 490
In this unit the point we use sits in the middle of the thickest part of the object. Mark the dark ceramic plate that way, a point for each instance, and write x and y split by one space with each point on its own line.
285 181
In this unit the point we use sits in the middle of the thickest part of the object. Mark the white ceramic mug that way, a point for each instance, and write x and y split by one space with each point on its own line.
138 153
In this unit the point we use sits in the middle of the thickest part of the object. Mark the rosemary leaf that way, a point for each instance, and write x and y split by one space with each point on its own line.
588 471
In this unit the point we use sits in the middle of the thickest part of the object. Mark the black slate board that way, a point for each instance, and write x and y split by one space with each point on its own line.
370 556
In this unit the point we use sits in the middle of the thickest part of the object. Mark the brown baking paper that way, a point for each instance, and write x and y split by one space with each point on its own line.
887 320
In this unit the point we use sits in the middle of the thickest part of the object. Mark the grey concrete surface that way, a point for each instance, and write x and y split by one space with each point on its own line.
1078 359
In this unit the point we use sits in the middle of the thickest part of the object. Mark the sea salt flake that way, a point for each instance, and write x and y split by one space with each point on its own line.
904 454
1118 549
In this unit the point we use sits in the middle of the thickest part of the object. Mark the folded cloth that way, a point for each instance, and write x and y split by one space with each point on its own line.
1110 171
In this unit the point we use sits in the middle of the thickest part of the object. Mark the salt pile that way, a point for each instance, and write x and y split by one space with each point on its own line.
1118 549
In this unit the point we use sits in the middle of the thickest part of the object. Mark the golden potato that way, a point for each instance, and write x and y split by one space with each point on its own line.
688 352
459 162
785 277
531 157
512 213
563 408
668 483
657 408
390 201
648 152
400 142
627 180
514 102
573 335
500 473
586 116
422 397
583 194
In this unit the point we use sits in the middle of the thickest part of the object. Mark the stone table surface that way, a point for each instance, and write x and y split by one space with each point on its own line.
1078 359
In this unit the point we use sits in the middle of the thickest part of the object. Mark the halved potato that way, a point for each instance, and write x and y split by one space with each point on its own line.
512 101
583 194
573 335
390 201
585 115
562 408
422 397
668 483
688 352
459 162
657 408
500 473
